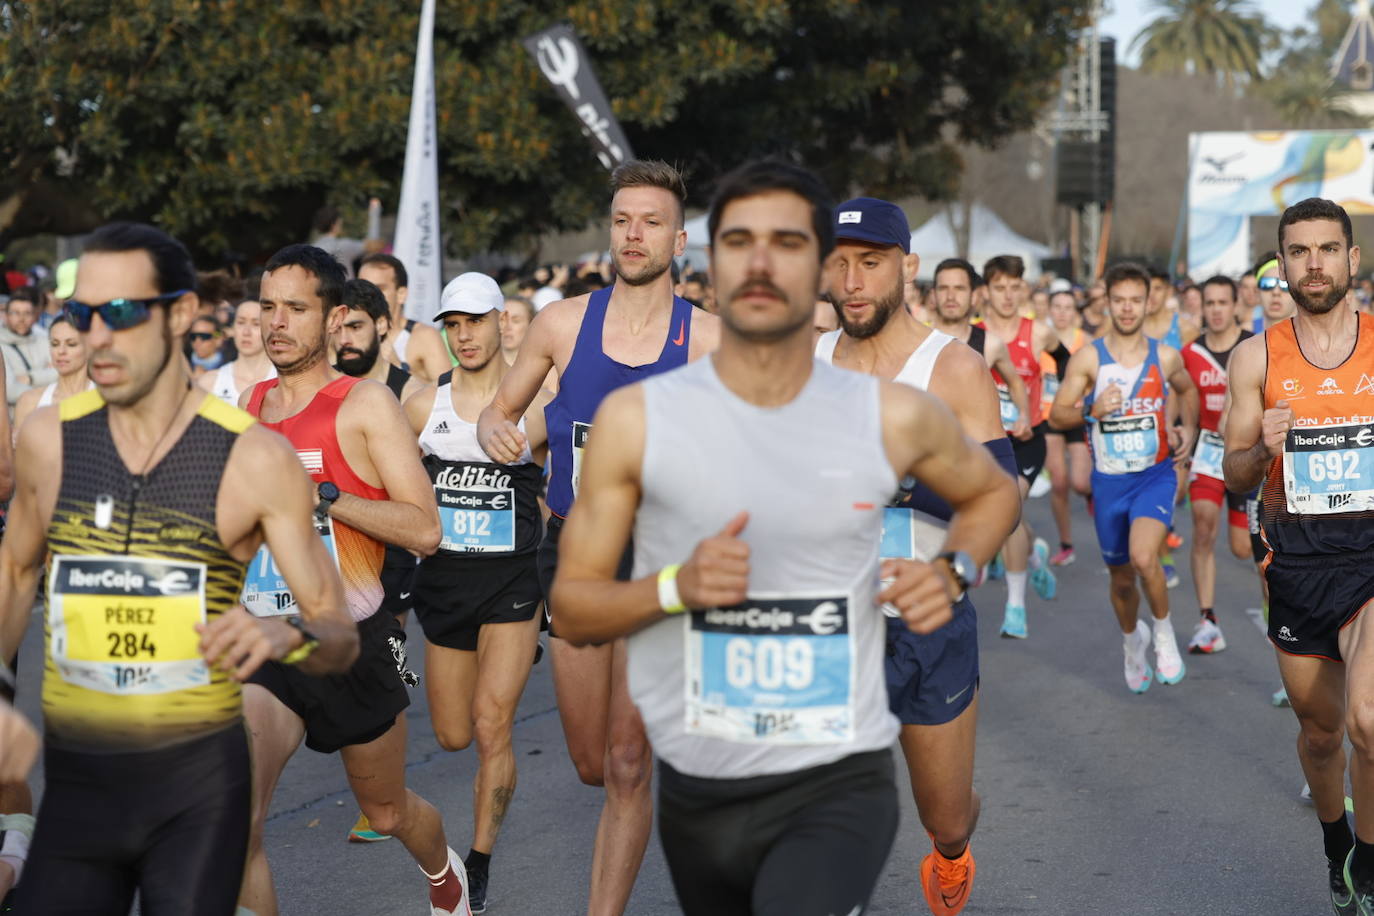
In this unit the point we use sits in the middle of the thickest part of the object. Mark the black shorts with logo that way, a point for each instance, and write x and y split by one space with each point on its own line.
1030 454
453 601
810 842
398 581
546 559
356 707
1312 598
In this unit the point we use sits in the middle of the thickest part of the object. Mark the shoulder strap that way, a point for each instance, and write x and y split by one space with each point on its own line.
259 393
28 368
825 346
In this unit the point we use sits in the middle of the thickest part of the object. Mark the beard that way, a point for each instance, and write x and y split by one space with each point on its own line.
1320 305
145 385
308 360
883 309
644 274
359 363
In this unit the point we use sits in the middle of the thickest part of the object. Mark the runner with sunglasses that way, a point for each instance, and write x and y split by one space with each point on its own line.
1276 303
152 496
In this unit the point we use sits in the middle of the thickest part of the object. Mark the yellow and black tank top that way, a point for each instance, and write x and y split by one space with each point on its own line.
136 563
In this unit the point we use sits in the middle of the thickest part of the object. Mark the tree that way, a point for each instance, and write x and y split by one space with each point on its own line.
1301 89
230 122
1224 39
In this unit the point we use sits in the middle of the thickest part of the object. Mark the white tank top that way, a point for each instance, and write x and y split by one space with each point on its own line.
910 533
400 342
793 677
49 395
449 437
224 387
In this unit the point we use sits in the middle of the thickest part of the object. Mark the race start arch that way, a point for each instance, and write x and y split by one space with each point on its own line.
1235 176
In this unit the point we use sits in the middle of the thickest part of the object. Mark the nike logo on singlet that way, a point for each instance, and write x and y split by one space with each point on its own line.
681 334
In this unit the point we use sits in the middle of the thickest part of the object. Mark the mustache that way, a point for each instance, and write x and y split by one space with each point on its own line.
345 351
761 286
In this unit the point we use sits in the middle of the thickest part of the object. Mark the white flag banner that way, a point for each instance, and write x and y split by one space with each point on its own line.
417 220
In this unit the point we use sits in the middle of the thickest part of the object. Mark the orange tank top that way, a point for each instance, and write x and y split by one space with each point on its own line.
1319 494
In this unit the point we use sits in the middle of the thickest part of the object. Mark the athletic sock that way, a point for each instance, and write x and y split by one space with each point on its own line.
1016 588
477 861
1065 545
1362 866
1337 839
1164 624
14 850
445 890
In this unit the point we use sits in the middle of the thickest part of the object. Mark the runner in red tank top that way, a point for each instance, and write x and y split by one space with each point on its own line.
355 442
1025 340
1206 359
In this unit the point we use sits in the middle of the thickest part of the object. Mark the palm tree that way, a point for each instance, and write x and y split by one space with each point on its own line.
1224 39
1306 98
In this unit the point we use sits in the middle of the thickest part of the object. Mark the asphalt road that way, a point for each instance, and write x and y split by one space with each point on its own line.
1095 801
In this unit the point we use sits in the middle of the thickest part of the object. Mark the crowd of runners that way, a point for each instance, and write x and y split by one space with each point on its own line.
228 552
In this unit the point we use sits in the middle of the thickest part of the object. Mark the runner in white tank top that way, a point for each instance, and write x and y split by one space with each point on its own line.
753 482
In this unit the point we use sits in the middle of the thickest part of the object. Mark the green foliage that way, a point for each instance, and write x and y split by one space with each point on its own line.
229 121
1224 39
1300 89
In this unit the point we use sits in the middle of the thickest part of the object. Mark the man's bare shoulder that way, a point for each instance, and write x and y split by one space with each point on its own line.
39 439
960 361
370 395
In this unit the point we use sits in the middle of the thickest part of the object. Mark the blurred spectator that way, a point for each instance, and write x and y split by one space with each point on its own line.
1190 303
24 346
68 353
544 295
51 309
692 288
825 320
328 226
250 364
218 290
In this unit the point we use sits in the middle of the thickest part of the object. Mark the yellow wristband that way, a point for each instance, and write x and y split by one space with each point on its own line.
668 598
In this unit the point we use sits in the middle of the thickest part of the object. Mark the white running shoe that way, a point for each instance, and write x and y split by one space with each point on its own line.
1135 647
1041 486
1207 638
456 871
1169 668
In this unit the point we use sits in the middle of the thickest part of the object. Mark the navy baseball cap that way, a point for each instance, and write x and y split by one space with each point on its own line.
867 219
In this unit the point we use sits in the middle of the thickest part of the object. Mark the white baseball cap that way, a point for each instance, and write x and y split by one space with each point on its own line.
1060 285
472 293
545 295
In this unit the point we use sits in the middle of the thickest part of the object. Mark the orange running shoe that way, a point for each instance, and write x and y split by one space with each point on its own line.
947 882
1173 541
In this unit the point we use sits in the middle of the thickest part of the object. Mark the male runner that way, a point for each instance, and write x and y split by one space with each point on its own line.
1124 381
1205 360
1066 451
1165 324
353 440
516 315
478 596
250 367
357 346
151 496
932 680
413 346
599 342
1302 399
766 705
1025 340
1276 300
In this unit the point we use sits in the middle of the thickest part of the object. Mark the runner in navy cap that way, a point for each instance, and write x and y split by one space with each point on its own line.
867 219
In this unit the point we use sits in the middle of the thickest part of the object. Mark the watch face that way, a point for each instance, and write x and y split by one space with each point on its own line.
329 491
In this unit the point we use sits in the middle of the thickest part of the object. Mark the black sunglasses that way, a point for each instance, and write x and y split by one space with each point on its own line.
201 335
119 314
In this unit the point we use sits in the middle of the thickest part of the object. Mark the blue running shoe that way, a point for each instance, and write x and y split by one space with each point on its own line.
996 570
1170 571
1014 622
1042 577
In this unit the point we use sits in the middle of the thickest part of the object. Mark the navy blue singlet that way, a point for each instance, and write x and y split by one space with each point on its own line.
588 378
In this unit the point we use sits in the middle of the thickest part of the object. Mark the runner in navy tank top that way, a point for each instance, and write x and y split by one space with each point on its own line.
598 343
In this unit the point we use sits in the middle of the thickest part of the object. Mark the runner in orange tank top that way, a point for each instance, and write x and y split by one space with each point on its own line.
356 445
1302 421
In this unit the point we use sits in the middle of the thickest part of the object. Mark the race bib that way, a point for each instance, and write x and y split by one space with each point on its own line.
1129 444
907 537
579 442
477 520
126 625
1007 407
1211 447
1050 387
773 670
1328 469
265 593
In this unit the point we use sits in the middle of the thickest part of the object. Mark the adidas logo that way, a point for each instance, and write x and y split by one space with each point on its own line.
441 428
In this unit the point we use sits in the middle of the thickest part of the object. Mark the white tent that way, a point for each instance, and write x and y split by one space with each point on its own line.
933 241
988 237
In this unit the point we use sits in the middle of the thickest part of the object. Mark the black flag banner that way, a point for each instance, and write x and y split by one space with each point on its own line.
564 60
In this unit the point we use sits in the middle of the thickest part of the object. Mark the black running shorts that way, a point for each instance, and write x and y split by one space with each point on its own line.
1312 598
453 602
546 560
356 707
1030 454
398 581
809 843
171 824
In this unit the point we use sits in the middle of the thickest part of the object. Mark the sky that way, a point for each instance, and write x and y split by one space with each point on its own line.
1125 18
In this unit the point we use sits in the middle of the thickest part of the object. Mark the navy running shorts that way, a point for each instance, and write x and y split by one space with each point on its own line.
932 678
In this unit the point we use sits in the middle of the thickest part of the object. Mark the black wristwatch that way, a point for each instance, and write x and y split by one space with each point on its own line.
328 494
309 642
962 567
